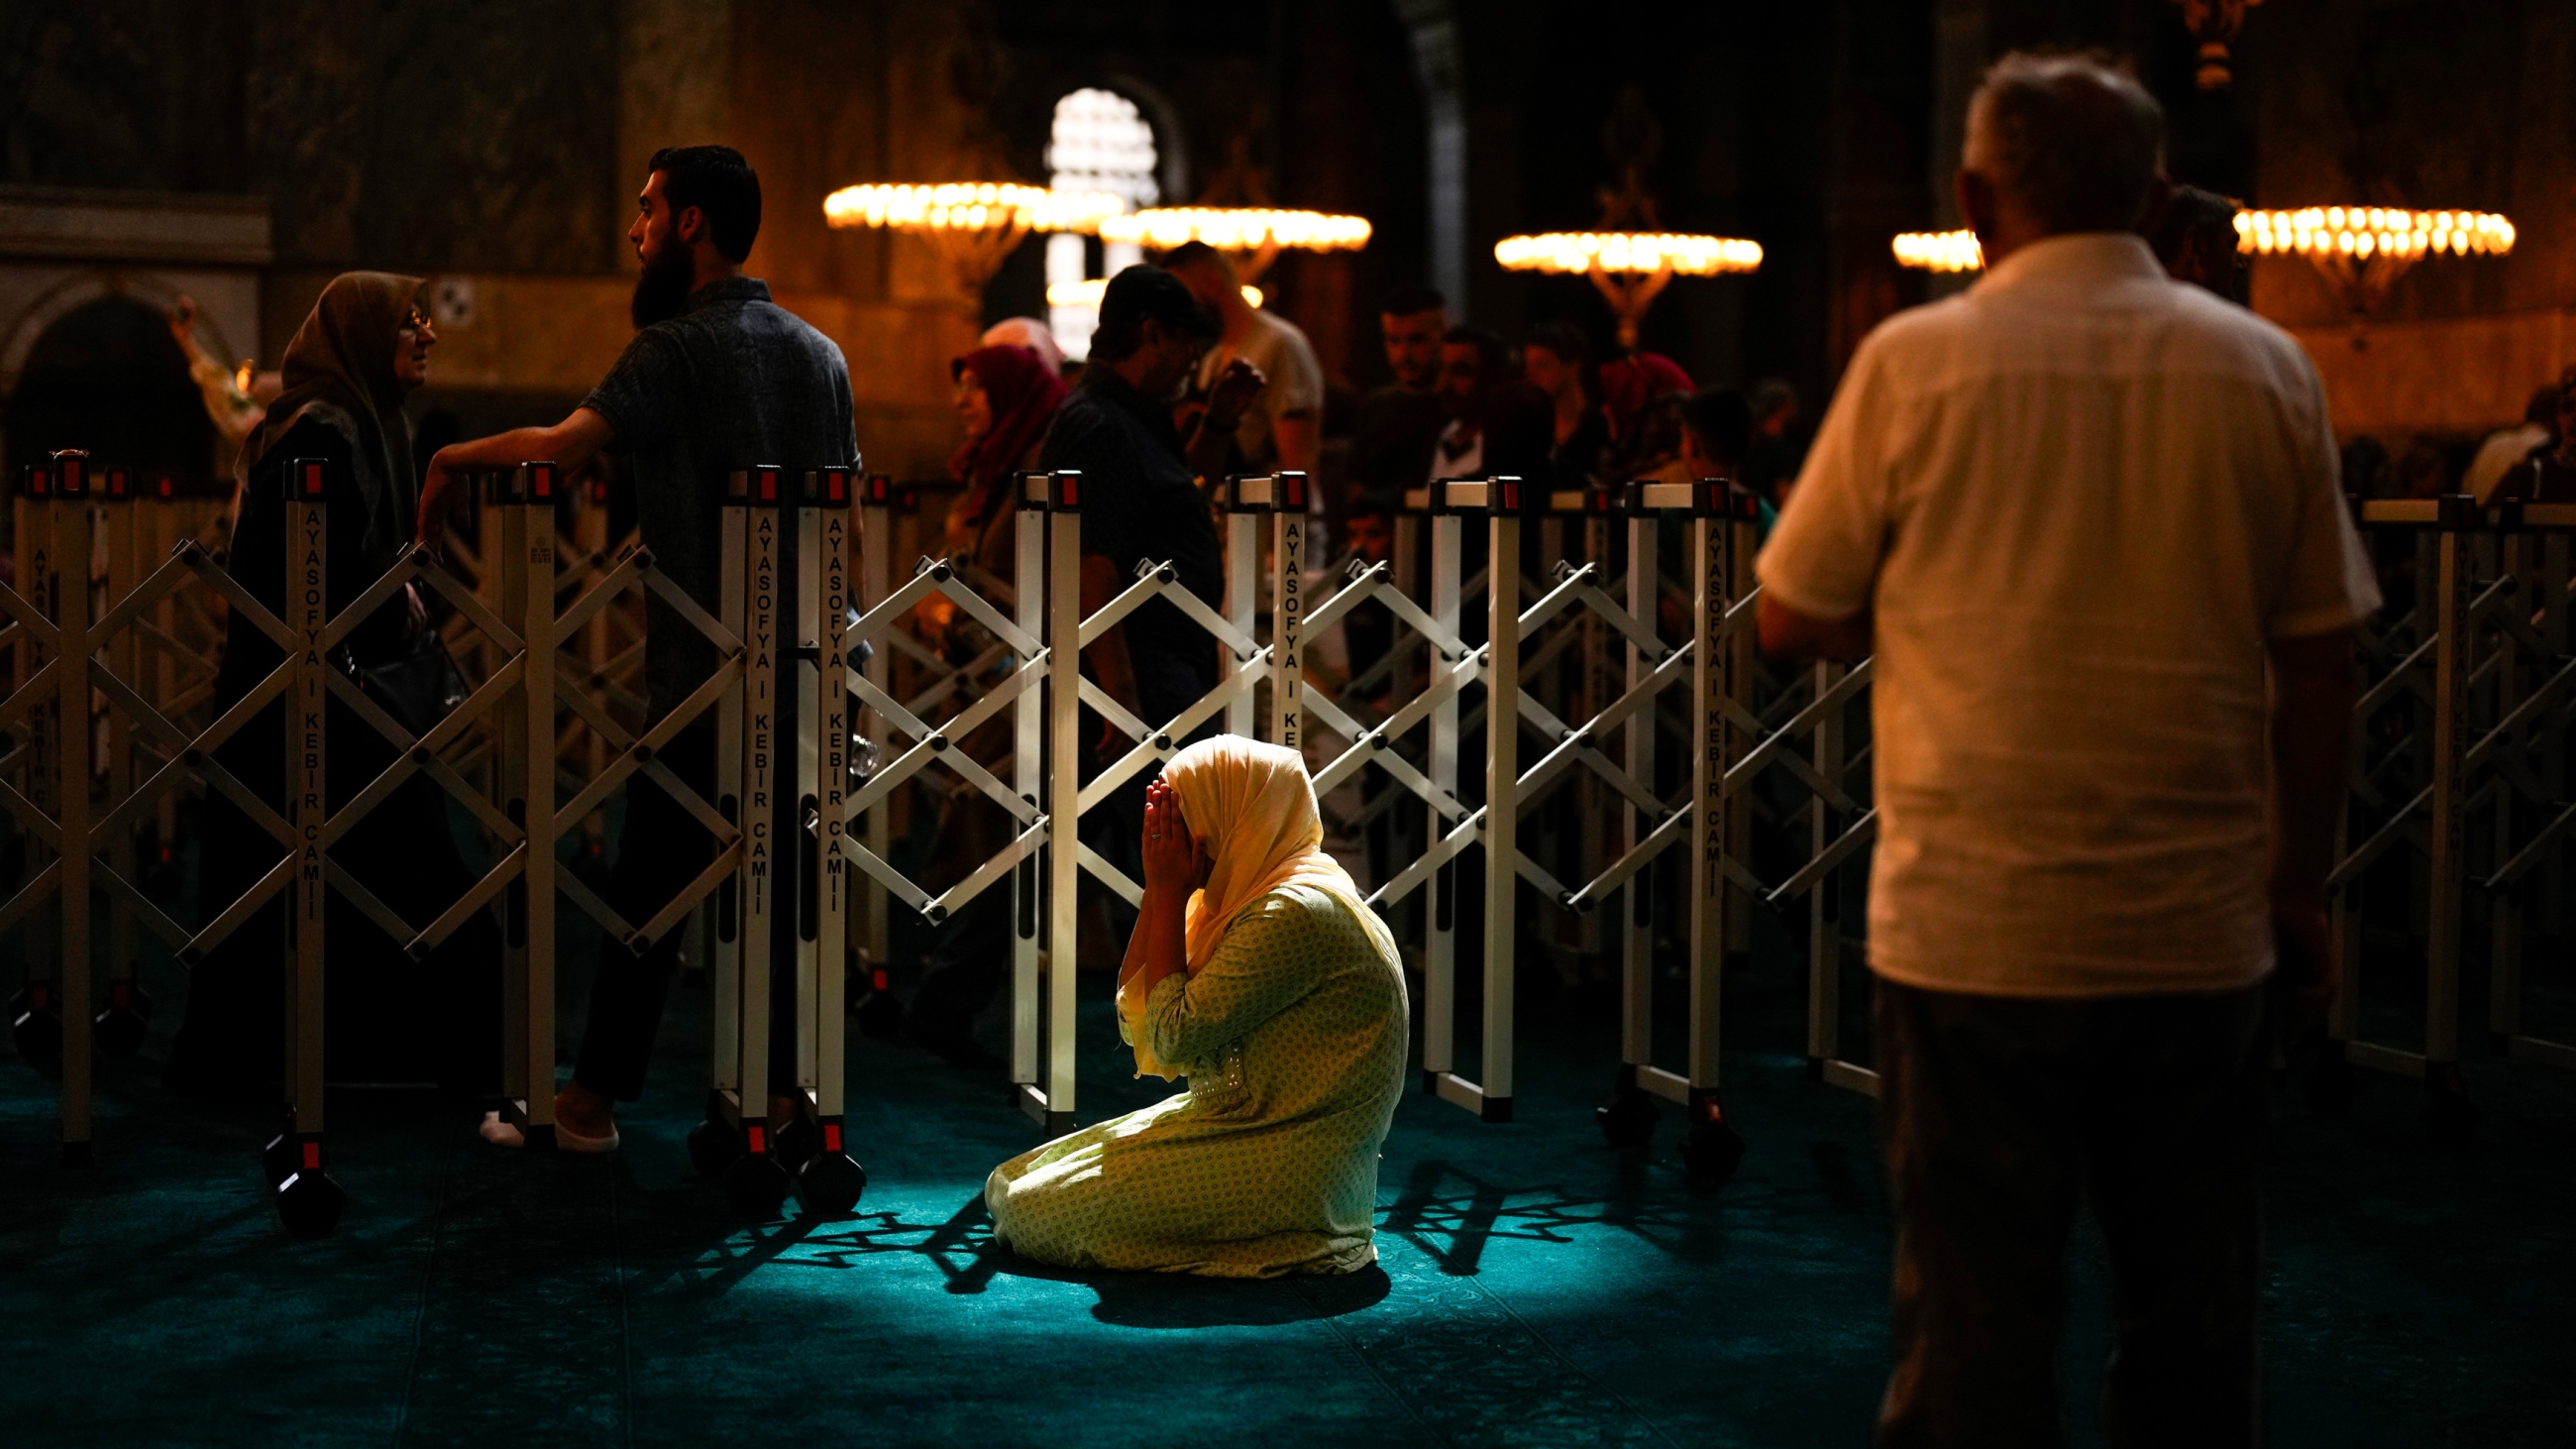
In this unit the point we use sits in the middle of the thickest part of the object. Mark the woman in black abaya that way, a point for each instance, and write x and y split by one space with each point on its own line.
387 1017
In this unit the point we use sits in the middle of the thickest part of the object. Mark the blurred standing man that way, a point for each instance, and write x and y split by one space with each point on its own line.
1281 429
1140 502
2194 234
1400 423
2078 511
717 378
1772 458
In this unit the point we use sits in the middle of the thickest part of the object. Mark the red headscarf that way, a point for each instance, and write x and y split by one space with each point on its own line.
1024 397
1631 383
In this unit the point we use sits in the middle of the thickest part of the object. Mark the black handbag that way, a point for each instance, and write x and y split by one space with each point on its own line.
418 687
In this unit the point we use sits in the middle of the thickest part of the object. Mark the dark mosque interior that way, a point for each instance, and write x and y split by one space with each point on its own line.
863 547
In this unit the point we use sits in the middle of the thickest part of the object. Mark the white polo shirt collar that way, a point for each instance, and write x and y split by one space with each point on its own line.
2079 257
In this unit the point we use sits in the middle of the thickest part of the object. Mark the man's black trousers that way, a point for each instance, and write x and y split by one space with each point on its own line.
1999 1115
659 852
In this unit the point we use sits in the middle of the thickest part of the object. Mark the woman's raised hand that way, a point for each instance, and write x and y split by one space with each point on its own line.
1173 861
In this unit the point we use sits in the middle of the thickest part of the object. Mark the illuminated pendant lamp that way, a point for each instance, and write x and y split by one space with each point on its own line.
1939 251
1234 215
2362 250
1253 236
1629 267
974 225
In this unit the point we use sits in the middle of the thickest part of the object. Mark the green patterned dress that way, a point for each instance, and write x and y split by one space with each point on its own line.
1295 1032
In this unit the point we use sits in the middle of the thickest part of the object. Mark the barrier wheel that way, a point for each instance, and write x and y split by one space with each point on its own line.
2451 1116
713 1147
127 1020
1710 1148
795 1144
2330 1084
756 1186
880 1015
1627 1117
309 1203
36 1028
830 1184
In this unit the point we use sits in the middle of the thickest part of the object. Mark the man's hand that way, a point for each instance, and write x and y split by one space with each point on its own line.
439 499
1234 391
569 445
2313 687
1175 864
2308 964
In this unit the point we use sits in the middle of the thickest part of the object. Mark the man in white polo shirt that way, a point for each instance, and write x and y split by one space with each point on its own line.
2079 514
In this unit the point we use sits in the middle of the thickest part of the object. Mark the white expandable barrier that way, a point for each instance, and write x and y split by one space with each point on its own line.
2460 752
79 795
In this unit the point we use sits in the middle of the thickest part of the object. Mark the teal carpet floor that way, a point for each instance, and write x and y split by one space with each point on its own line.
1535 1287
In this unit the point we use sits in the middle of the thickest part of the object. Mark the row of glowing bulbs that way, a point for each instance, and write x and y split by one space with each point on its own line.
2363 232
970 206
1087 293
1628 252
976 205
2359 232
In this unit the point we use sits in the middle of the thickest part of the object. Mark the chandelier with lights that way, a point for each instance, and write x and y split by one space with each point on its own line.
1253 235
2362 250
973 224
1939 251
1087 293
1630 268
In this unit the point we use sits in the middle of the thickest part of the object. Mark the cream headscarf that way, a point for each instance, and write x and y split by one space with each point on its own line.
1254 806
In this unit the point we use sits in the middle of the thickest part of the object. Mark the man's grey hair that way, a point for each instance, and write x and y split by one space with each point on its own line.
2073 138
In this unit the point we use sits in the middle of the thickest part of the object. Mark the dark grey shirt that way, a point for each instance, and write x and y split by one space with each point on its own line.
733 381
1139 503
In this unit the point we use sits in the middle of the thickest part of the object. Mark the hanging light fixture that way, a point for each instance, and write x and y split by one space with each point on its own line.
973 224
1088 293
1630 269
2362 250
1253 235
1630 258
1939 251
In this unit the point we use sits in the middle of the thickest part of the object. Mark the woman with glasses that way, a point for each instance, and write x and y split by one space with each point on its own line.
364 348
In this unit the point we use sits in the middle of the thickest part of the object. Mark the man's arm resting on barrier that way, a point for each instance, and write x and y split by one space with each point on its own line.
569 445
2313 689
1791 637
1108 653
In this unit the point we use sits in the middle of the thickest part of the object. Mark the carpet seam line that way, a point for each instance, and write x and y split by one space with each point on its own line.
1571 1366
625 1314
420 1310
1357 1356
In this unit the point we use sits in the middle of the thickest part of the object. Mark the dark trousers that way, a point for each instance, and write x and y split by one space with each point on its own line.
1999 1114
660 850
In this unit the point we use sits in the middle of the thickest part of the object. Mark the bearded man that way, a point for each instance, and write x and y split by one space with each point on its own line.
718 378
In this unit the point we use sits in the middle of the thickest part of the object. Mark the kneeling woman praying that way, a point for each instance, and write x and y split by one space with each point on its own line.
1256 971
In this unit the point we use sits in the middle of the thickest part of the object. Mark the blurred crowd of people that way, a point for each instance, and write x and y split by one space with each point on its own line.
2533 461
1187 382
1460 401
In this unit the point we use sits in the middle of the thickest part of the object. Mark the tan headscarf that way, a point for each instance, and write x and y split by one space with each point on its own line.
1254 806
340 369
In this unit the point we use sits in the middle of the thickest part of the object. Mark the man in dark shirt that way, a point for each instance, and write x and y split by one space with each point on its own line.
1392 438
718 378
1140 494
1141 501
